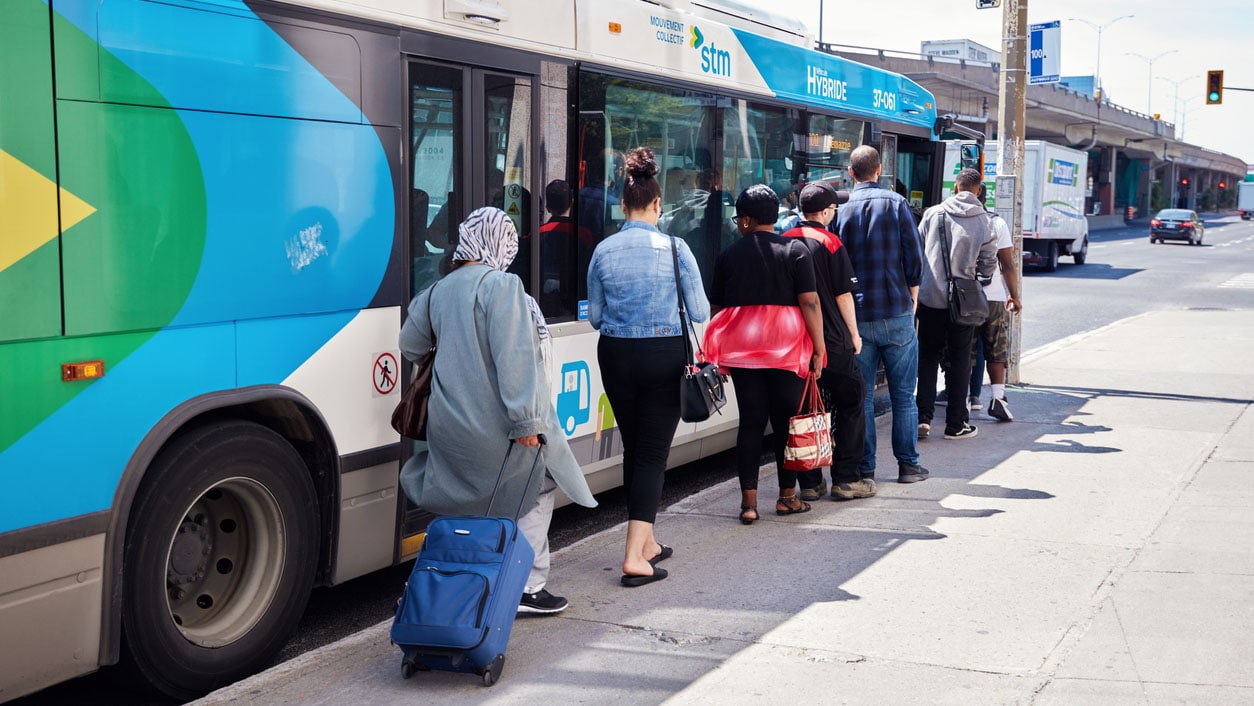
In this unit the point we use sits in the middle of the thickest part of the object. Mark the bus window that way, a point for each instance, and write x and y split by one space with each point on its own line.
826 147
435 105
757 148
888 161
617 115
507 101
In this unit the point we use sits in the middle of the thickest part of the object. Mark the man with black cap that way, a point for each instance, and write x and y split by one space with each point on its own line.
841 384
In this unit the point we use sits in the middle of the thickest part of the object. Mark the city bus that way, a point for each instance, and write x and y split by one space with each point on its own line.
213 214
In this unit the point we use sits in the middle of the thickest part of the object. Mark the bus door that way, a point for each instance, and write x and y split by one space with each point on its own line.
471 145
471 135
919 172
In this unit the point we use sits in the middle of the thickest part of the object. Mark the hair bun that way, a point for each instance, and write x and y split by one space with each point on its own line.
641 163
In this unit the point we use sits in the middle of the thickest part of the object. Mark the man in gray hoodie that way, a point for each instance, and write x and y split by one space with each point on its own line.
961 221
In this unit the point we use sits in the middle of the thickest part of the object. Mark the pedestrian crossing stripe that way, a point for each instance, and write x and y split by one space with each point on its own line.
1242 281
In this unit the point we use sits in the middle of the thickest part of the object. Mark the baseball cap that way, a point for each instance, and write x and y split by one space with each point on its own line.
818 195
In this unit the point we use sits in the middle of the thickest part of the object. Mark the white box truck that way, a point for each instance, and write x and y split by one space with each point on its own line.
1054 181
1245 199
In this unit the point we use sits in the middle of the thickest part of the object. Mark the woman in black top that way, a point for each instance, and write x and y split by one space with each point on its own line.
768 331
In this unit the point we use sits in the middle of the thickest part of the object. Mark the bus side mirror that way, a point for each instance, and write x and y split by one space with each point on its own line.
969 156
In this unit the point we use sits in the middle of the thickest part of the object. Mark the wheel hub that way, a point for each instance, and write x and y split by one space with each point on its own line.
189 554
225 562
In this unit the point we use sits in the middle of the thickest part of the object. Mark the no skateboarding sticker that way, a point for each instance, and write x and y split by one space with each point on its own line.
386 373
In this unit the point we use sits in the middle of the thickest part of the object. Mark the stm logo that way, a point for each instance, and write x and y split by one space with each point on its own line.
713 60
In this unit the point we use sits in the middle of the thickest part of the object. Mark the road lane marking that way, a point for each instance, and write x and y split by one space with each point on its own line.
1241 281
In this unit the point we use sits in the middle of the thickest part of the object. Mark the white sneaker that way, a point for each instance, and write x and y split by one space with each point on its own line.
998 409
973 403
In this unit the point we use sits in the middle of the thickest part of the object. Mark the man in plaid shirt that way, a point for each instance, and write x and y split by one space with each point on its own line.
880 236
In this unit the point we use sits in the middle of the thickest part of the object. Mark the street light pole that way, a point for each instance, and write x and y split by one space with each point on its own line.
1175 98
1184 114
1097 71
820 21
1149 91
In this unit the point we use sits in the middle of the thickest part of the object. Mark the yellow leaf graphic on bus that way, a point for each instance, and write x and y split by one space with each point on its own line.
28 213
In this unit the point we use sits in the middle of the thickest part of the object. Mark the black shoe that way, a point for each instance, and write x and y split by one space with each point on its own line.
633 580
542 602
998 409
966 432
911 474
666 553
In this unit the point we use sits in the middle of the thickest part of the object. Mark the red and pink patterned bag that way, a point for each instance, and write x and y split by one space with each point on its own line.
810 434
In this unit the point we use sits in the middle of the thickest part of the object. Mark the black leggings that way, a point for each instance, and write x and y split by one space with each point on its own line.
762 395
641 380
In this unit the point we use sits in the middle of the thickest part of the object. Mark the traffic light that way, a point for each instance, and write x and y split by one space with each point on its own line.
1184 181
1222 185
1214 87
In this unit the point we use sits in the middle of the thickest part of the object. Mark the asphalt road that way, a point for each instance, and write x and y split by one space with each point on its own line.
1125 275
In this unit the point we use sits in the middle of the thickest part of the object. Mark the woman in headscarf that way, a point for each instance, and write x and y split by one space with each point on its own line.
489 387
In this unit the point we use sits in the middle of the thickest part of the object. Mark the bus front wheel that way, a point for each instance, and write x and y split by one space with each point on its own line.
219 559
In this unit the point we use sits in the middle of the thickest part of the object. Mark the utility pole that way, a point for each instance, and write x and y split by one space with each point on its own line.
1011 129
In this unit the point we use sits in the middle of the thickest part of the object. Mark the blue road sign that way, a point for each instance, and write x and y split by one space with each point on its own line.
1045 52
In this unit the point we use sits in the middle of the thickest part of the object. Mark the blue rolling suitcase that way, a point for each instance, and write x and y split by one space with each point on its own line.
462 596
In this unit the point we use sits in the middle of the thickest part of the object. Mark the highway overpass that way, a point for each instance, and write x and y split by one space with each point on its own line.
1135 160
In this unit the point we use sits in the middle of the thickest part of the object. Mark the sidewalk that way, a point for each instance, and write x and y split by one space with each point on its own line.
1098 550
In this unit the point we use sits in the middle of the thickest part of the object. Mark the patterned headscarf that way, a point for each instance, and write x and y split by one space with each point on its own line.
489 236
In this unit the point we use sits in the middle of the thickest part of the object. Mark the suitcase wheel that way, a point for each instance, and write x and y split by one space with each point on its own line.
409 665
492 672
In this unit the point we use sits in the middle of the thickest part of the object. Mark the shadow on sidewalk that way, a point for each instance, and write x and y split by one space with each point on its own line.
1092 392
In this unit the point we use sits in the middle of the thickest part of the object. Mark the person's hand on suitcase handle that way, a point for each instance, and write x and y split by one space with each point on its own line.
531 440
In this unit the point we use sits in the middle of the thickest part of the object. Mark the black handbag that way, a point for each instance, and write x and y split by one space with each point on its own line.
968 306
701 392
410 416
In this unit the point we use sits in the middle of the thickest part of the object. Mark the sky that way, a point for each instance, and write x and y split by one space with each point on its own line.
1205 34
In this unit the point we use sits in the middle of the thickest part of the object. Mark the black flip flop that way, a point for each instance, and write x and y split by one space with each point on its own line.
633 581
665 554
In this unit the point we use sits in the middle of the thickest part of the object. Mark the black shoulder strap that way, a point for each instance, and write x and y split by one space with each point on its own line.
944 220
685 325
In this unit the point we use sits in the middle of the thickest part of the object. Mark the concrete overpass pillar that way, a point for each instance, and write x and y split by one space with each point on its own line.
1104 181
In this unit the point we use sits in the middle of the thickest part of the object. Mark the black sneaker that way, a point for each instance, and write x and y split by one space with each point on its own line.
542 602
966 432
911 474
998 409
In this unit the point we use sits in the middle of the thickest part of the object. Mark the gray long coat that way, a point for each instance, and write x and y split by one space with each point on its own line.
488 387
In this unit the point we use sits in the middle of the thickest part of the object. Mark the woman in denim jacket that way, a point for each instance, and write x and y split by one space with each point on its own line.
632 302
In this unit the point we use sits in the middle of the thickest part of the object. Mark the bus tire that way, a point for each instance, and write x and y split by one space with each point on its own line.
220 557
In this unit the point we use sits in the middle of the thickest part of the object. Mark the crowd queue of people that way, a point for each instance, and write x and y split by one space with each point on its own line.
827 284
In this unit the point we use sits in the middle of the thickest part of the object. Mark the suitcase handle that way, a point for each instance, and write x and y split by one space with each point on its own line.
501 474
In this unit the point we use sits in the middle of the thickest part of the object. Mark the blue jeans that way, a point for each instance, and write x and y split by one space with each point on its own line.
894 342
